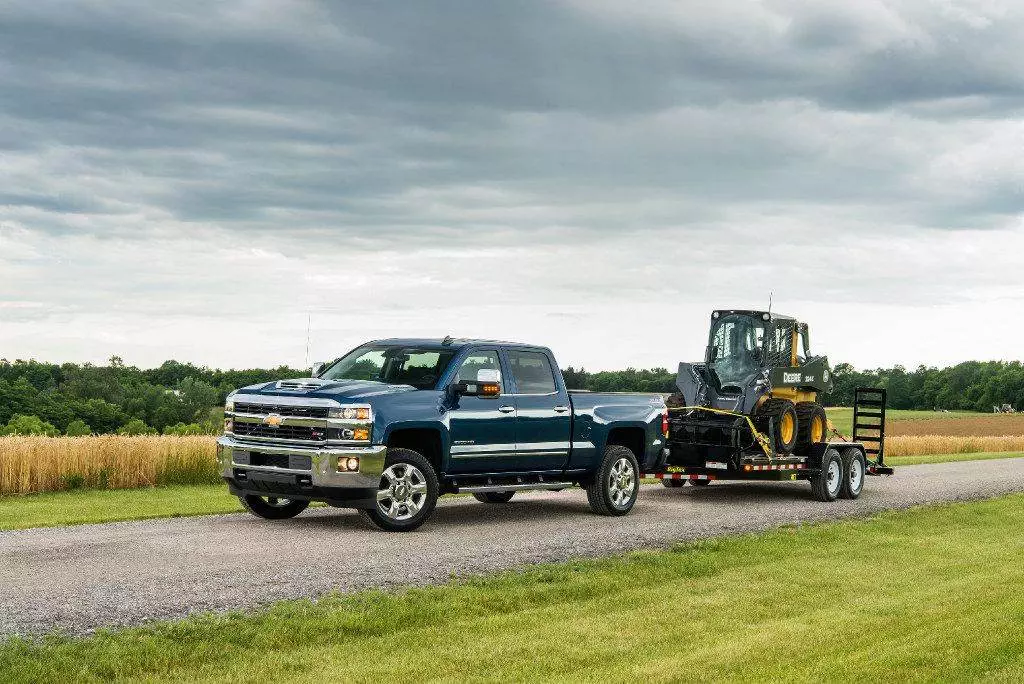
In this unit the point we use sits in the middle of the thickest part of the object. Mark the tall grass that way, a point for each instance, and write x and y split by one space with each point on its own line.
47 464
918 445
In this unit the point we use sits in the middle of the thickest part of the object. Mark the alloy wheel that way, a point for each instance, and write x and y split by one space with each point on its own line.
402 491
622 483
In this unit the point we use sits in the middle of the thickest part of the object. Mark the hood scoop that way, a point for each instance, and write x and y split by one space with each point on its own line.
301 385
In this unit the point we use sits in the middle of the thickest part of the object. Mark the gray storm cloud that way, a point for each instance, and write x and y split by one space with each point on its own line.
529 170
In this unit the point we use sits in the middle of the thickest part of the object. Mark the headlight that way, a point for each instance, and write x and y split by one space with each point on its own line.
350 413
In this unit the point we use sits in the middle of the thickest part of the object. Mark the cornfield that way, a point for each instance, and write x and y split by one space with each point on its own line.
46 464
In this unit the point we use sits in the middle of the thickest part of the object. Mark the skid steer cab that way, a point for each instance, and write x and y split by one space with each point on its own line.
751 410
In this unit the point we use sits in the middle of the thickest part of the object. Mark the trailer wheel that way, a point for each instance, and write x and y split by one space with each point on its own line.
614 487
494 497
671 483
700 483
828 482
854 467
781 412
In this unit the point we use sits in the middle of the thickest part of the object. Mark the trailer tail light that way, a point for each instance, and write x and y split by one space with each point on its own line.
664 423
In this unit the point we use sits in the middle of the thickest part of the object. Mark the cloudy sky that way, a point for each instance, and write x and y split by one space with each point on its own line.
195 180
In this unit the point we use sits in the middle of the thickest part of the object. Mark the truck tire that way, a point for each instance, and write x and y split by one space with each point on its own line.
272 507
406 494
854 468
782 413
828 482
494 497
812 425
615 485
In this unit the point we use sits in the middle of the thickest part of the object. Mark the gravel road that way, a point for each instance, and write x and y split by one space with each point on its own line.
77 579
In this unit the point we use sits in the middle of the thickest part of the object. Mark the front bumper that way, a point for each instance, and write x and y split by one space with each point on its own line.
322 475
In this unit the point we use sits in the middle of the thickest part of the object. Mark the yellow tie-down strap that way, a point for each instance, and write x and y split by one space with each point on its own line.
762 440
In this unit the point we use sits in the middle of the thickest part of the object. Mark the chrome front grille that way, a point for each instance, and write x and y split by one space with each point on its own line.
281 410
283 432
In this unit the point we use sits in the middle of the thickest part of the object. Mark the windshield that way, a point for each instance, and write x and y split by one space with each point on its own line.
736 348
420 368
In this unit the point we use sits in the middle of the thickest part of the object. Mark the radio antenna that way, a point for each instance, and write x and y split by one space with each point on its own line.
309 318
771 294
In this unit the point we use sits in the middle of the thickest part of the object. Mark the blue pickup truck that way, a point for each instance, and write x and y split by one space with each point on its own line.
394 424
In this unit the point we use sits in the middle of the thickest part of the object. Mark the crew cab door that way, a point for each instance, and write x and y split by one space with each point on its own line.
544 416
482 429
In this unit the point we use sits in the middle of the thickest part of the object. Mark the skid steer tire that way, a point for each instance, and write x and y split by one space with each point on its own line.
812 426
782 413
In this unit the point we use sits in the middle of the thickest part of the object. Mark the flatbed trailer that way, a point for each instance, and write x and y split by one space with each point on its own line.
709 450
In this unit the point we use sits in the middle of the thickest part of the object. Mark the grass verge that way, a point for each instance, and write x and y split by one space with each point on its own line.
85 506
930 593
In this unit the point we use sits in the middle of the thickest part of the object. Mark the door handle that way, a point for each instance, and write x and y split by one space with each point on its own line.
561 409
506 409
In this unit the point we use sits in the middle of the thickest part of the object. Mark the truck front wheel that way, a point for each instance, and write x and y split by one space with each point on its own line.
614 487
406 494
272 507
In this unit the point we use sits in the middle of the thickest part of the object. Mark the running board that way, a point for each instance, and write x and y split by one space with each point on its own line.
480 489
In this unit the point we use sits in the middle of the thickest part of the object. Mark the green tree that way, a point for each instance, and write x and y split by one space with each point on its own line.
78 428
29 425
136 427
181 429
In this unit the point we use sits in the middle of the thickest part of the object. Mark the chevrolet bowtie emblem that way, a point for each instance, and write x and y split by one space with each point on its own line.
273 420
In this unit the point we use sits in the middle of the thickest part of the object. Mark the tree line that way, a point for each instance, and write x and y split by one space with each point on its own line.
181 398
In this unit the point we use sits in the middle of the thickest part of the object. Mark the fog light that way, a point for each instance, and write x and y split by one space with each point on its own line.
228 425
361 434
351 464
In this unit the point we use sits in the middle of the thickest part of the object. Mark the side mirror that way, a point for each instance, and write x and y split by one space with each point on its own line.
317 367
484 390
712 354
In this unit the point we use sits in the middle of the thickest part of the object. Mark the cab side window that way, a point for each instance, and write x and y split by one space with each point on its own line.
486 361
532 372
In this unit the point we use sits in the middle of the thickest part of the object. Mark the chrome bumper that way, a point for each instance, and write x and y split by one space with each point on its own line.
324 471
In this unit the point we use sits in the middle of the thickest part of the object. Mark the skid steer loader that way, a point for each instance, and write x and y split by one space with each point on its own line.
751 410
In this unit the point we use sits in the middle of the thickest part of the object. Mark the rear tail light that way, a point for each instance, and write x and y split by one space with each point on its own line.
664 423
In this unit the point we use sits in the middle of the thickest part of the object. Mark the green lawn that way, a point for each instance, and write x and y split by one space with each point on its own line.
92 506
842 418
927 594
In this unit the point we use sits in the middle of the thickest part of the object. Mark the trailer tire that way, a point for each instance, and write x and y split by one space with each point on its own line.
781 412
272 507
700 483
828 482
672 483
615 485
854 468
412 482
494 497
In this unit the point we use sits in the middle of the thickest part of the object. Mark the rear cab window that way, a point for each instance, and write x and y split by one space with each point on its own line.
532 372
